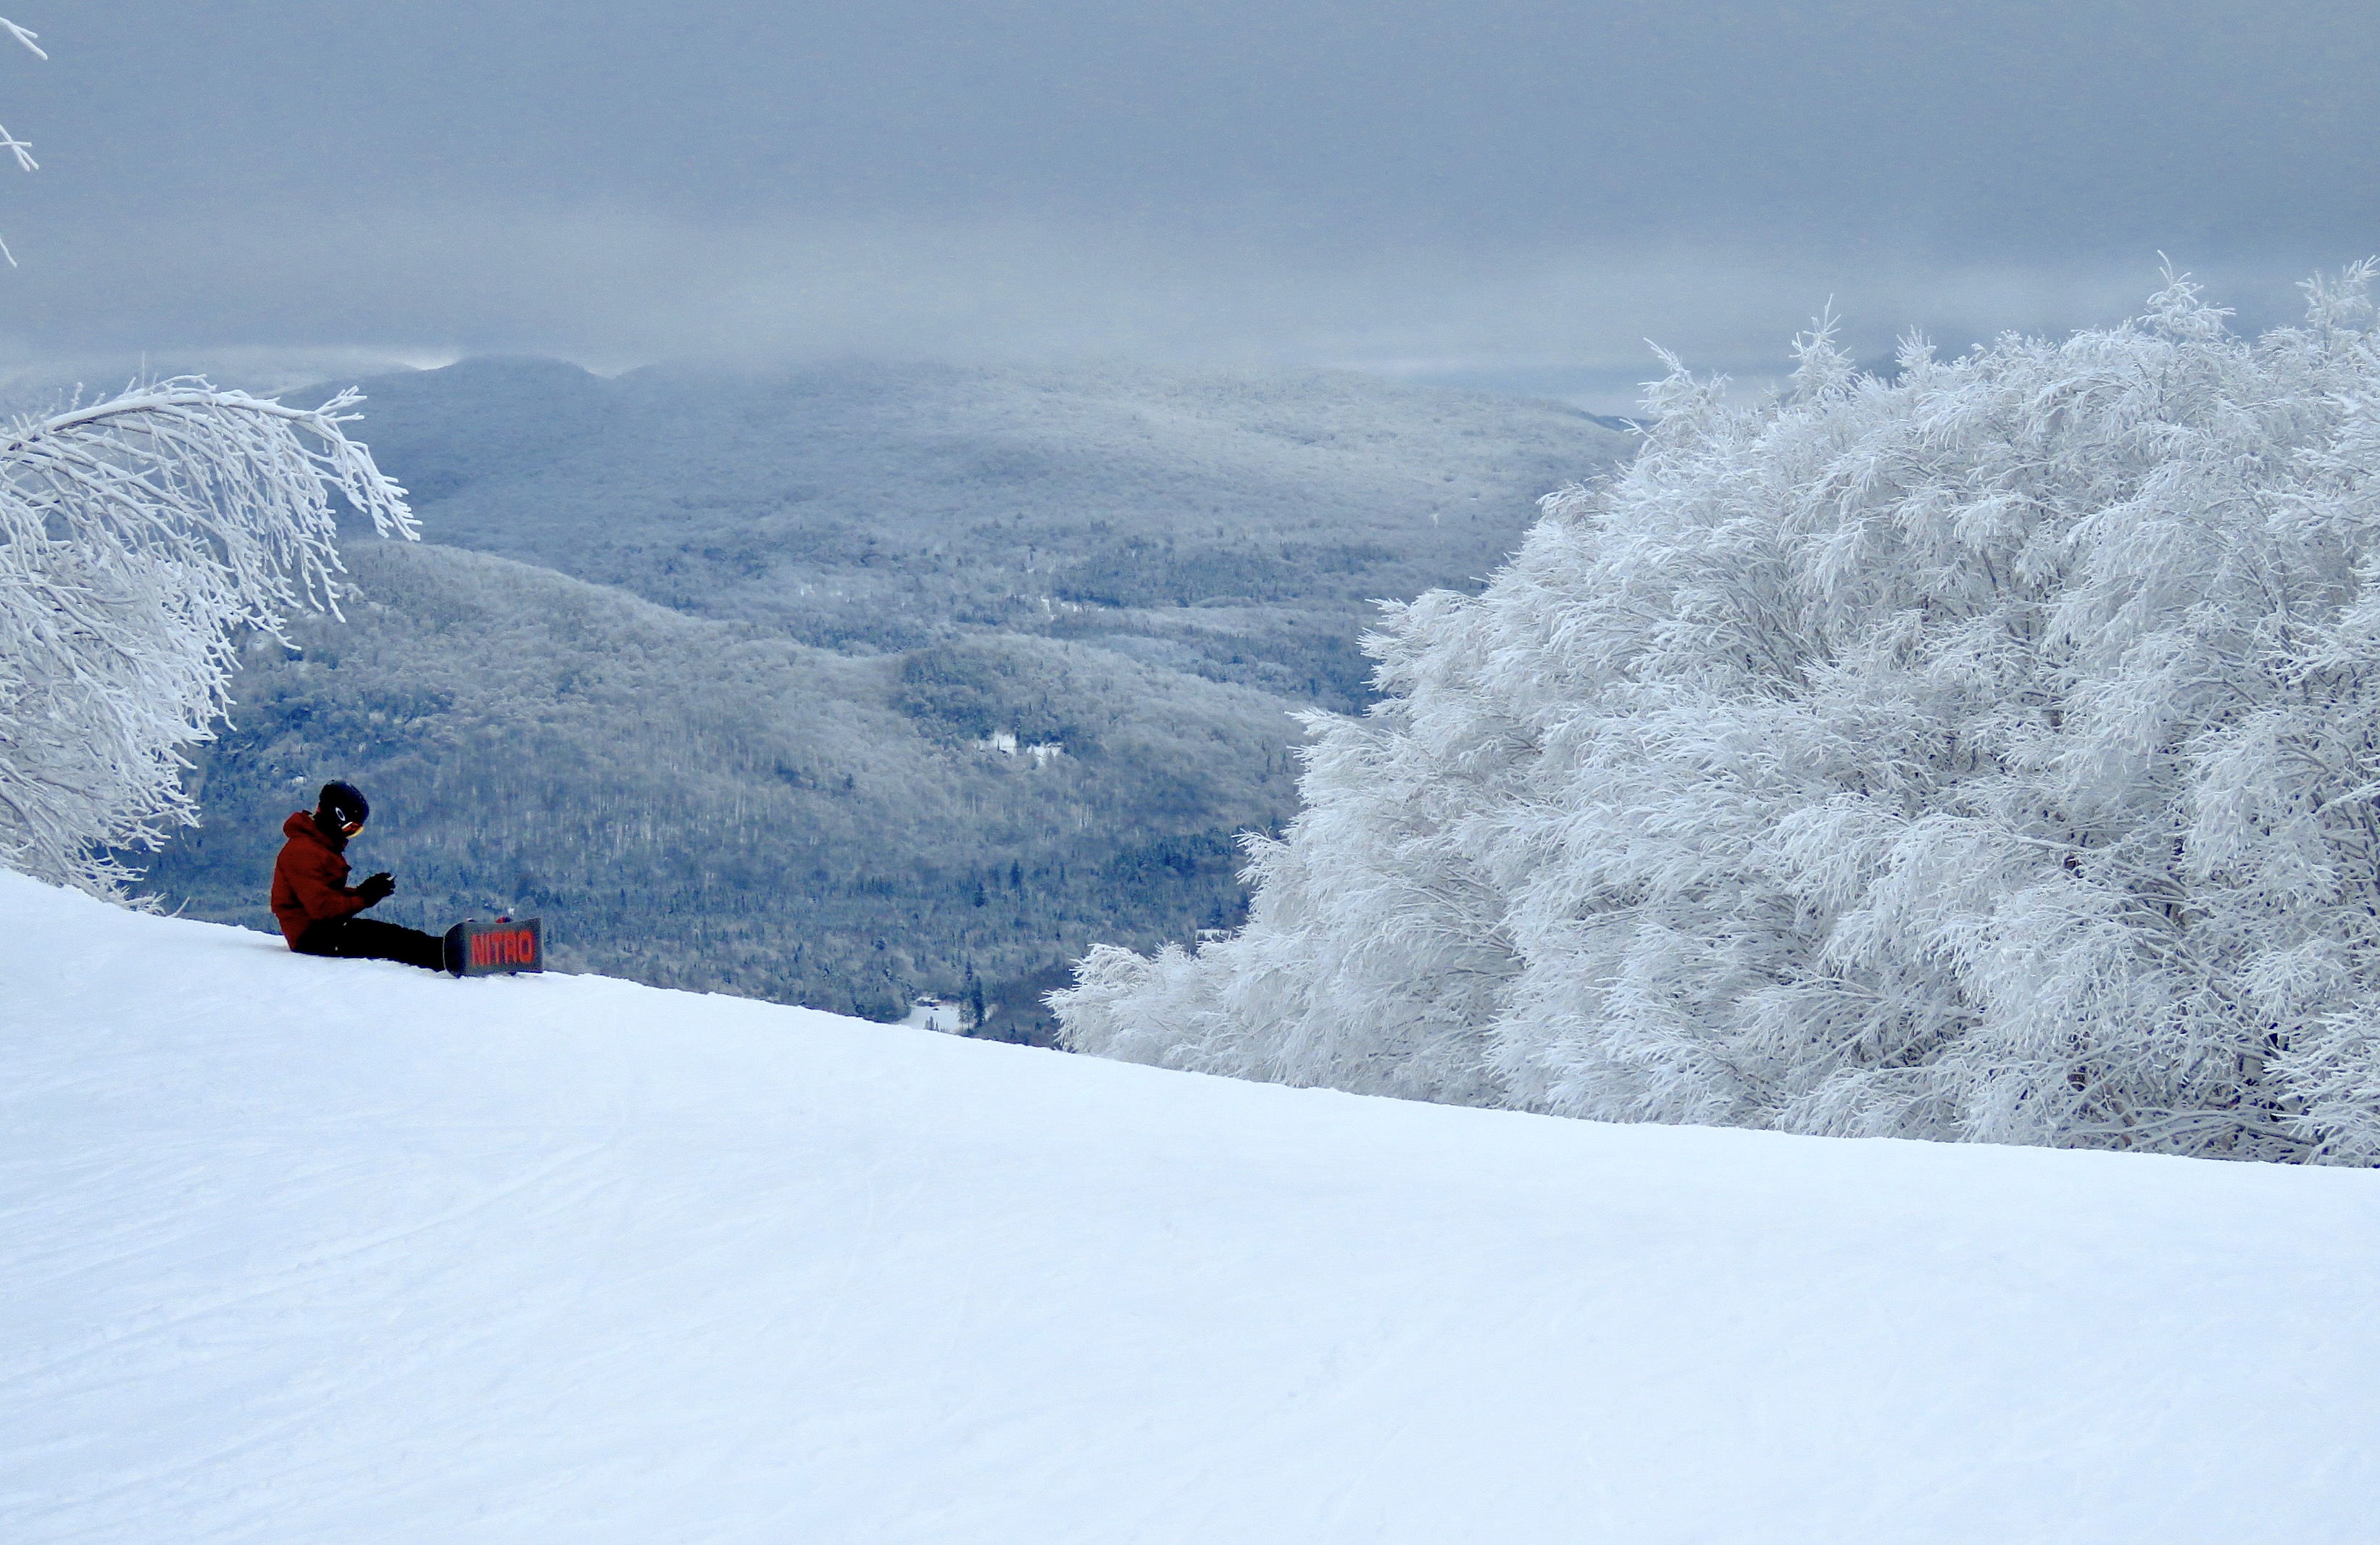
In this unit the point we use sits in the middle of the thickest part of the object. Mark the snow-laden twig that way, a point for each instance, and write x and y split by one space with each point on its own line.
140 538
21 150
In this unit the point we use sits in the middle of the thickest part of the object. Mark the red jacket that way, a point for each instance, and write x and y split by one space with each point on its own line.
310 879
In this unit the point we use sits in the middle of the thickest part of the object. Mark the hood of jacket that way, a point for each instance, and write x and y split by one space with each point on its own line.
302 826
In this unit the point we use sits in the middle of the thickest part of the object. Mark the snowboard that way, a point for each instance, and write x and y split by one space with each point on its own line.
501 948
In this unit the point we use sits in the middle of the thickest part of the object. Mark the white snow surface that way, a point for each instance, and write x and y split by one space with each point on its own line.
308 1250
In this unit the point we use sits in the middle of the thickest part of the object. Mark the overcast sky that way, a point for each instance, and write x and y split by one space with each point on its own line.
1506 193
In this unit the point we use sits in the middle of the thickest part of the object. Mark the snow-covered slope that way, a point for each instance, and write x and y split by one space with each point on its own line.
298 1250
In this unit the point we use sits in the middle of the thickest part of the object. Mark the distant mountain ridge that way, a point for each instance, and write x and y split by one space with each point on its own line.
1236 525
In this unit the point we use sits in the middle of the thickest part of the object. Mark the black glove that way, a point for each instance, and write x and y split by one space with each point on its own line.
375 889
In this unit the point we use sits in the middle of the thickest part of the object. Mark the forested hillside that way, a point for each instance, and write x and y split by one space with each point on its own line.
701 804
731 707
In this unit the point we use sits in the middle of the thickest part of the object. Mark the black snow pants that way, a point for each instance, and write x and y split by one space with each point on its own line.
366 939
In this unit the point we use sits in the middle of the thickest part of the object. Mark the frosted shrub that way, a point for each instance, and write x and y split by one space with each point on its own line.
138 538
1991 754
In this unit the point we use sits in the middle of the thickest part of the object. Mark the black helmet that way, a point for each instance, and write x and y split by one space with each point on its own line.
344 804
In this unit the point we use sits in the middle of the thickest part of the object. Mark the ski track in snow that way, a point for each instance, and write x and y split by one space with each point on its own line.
300 1250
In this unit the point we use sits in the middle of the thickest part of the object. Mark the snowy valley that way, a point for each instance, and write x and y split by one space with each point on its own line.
730 644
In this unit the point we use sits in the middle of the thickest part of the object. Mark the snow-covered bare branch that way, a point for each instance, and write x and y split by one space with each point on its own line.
18 148
140 538
1986 753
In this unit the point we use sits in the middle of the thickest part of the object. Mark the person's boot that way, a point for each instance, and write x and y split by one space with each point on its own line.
455 950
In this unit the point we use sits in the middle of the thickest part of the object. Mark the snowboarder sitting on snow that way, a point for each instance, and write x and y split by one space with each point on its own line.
316 909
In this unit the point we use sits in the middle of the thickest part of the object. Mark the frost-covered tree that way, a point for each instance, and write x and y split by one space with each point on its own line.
139 536
1989 753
